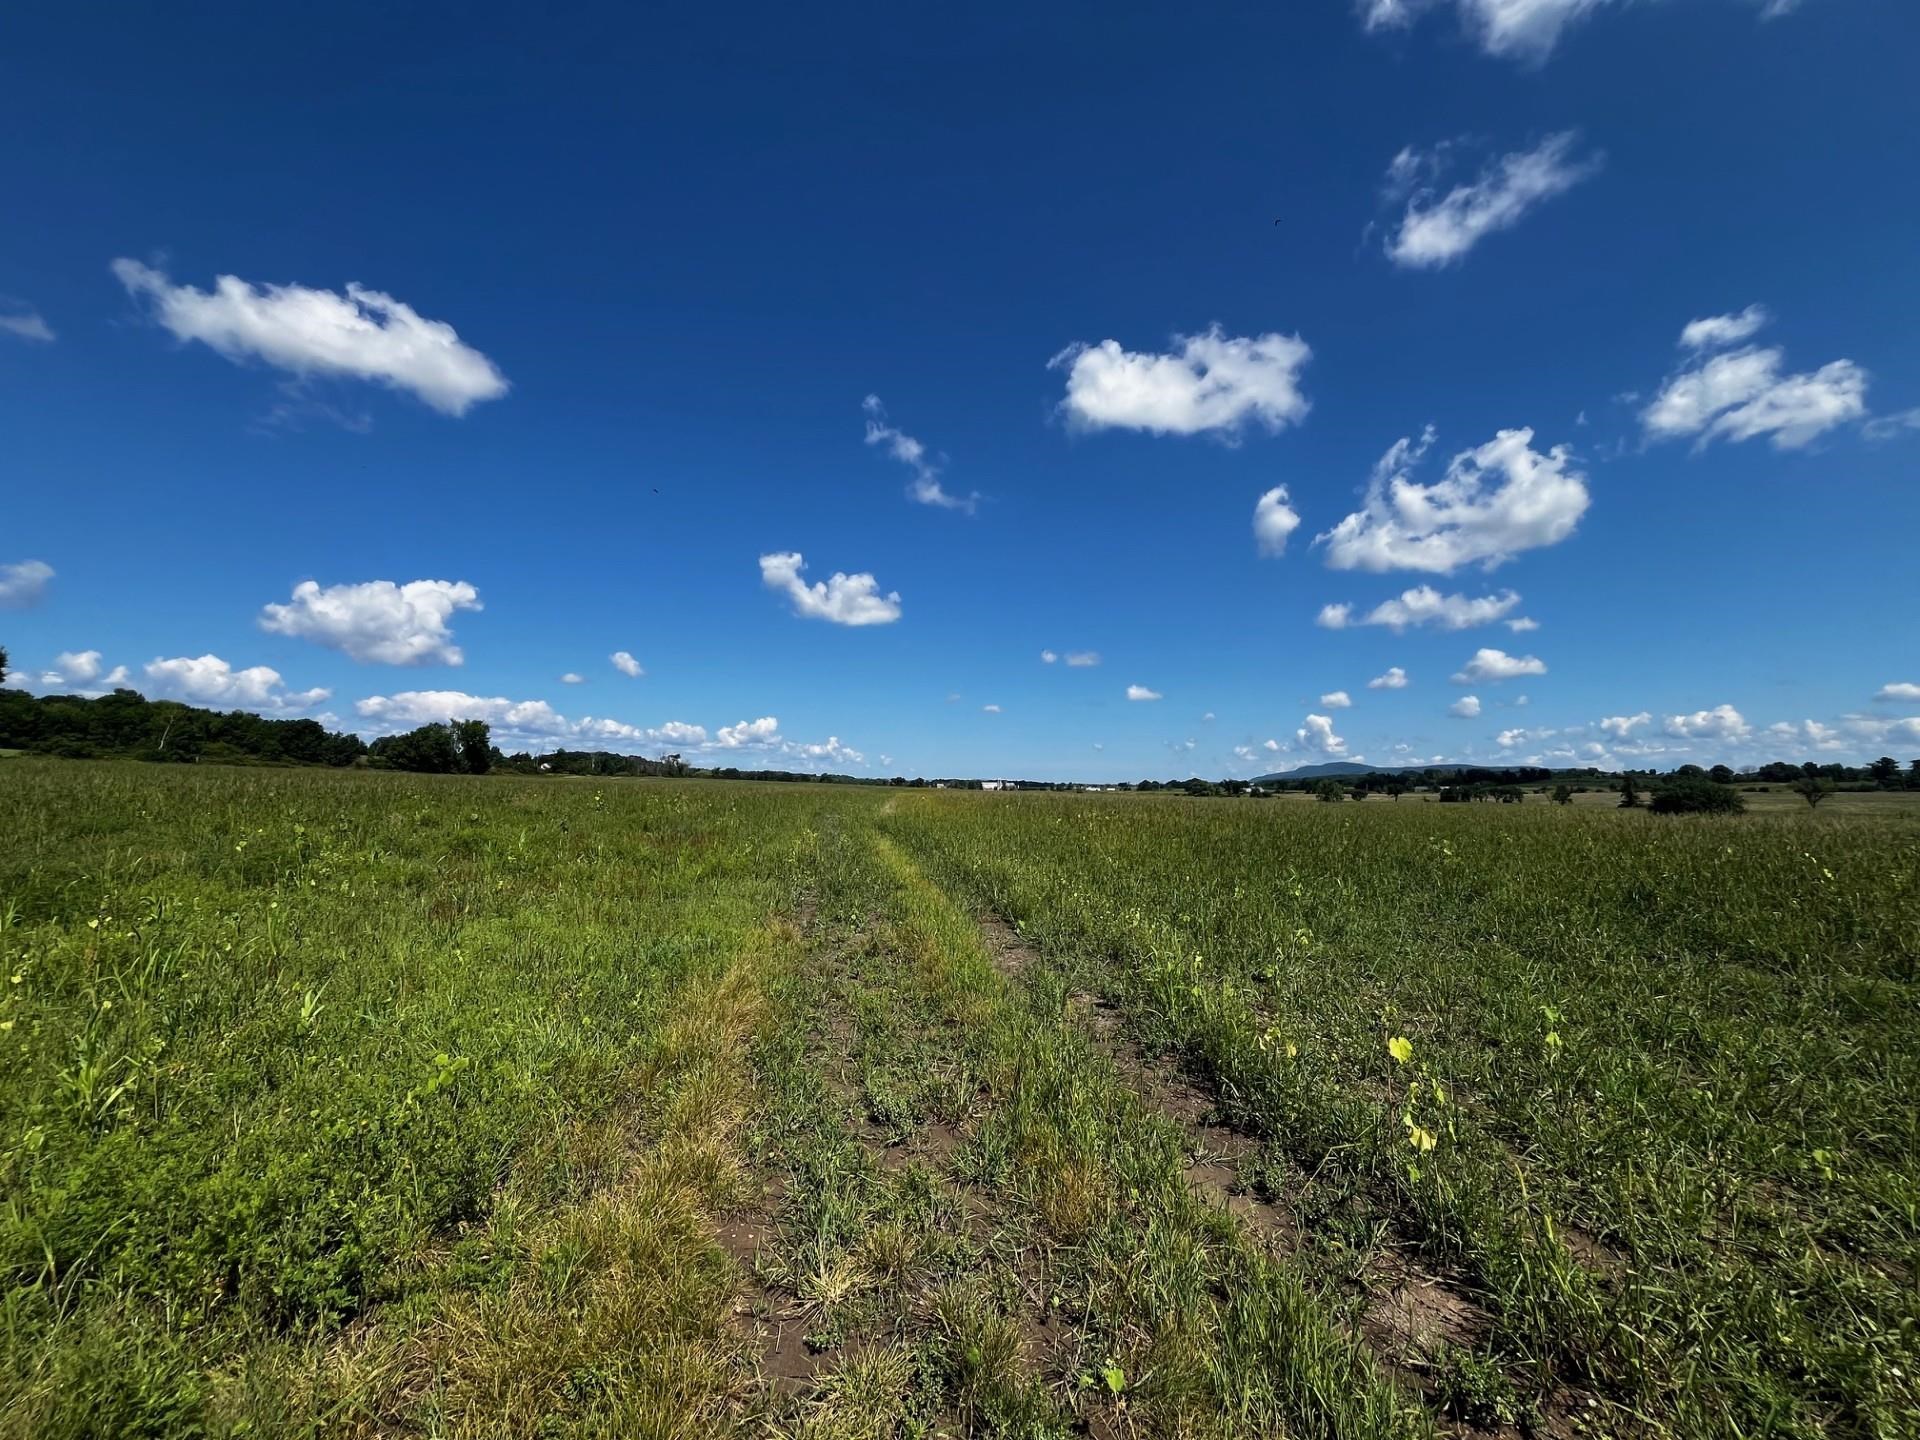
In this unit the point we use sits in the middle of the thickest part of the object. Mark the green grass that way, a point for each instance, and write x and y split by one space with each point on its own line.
355 1104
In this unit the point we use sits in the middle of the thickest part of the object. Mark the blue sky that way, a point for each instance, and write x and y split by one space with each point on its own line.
625 282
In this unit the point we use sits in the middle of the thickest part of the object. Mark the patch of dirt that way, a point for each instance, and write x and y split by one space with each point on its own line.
1410 1314
776 1339
1010 954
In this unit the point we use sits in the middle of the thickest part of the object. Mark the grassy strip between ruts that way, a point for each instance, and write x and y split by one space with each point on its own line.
1107 1297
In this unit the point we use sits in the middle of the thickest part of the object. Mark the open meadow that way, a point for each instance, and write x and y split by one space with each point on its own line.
358 1104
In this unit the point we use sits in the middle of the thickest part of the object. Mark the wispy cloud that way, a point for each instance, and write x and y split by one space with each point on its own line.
925 487
1437 230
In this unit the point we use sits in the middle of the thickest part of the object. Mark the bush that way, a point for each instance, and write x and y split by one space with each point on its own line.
1696 795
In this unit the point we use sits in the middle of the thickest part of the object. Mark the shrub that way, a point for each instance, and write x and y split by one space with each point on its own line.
1696 795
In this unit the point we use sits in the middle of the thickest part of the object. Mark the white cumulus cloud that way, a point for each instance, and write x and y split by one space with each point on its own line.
1496 665
1394 679
573 678
842 599
1493 502
990 709
1273 521
1743 393
624 662
209 680
377 622
1336 700
1898 690
1141 692
1621 726
926 487
1317 734
23 583
764 731
1722 722
362 335
1467 707
1210 382
1437 230
1047 657
1424 605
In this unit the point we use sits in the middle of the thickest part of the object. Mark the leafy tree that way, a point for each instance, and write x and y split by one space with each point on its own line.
1563 794
1696 795
1629 796
1884 771
476 745
1812 789
1328 789
1722 775
430 749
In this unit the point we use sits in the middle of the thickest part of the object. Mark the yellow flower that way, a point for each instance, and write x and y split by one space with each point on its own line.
1400 1048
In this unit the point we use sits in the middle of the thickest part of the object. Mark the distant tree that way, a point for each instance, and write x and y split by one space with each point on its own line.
1913 774
1629 796
3 664
1328 789
476 745
1884 771
1812 789
1722 775
1396 788
1563 795
1696 795
1197 786
430 749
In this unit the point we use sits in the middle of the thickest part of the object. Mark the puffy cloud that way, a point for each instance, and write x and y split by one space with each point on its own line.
1496 665
1273 521
1437 232
1722 722
1424 605
1808 735
1141 692
535 722
1273 747
209 680
1493 502
763 731
990 709
571 678
1208 716
1621 726
362 335
1467 707
1717 332
1317 734
842 599
1336 700
1209 382
84 667
377 622
23 583
624 662
1520 624
1898 690
926 487
1394 679
23 323
1047 657
1740 394
1083 659
1507 739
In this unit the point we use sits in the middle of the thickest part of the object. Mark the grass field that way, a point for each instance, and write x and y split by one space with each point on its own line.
347 1103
